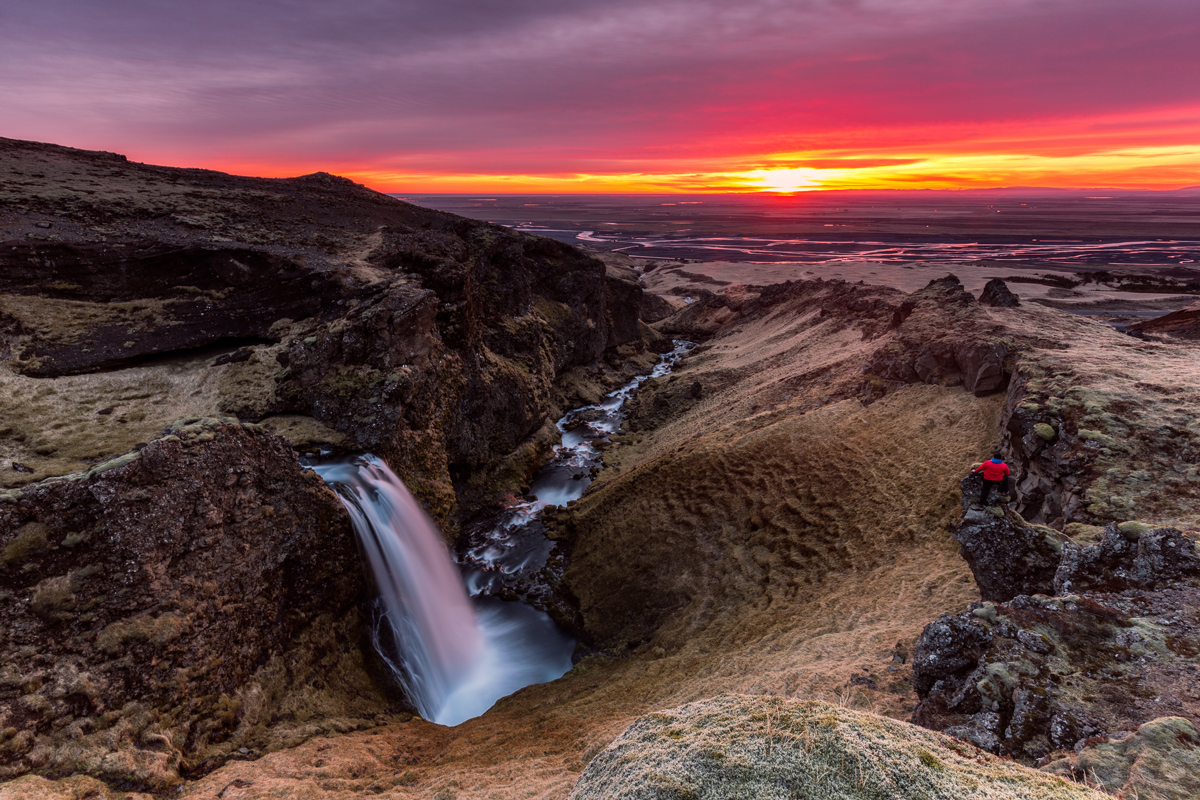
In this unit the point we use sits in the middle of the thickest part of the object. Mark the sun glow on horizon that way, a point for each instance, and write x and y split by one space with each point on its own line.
1144 168
788 180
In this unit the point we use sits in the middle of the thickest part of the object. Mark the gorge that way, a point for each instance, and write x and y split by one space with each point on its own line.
765 575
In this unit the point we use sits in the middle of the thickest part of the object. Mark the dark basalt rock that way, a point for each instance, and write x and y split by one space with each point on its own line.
1034 673
949 289
978 365
1007 556
652 308
145 600
1037 449
1010 557
942 343
1129 557
997 294
982 365
946 648
1045 674
625 301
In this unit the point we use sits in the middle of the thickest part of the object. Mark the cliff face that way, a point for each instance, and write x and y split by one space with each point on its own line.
165 609
337 315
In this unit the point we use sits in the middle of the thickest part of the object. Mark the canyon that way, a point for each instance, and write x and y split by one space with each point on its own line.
777 571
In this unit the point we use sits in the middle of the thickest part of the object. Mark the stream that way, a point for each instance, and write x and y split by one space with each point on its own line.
513 546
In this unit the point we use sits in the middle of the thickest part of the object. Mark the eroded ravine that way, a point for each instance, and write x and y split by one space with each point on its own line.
453 647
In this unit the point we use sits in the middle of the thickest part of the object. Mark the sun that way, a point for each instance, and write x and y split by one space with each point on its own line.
784 181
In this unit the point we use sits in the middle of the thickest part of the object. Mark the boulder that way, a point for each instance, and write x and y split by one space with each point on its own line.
997 294
769 748
982 366
948 647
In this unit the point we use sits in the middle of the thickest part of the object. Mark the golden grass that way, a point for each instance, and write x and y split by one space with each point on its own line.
52 425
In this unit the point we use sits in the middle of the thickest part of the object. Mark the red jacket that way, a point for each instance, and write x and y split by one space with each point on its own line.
993 470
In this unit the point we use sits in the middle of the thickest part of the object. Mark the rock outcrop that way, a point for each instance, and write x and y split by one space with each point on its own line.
1034 673
1043 674
997 294
768 747
1010 557
1131 555
163 610
1103 434
938 340
1007 555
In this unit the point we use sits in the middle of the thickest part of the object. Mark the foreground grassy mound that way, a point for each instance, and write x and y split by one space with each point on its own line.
766 748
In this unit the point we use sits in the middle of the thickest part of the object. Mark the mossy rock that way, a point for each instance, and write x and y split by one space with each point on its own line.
1089 435
31 539
1134 530
1159 762
770 748
1045 431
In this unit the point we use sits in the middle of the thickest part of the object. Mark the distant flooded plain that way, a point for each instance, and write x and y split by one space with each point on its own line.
1083 231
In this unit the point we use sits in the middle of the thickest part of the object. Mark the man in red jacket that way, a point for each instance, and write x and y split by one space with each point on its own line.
995 475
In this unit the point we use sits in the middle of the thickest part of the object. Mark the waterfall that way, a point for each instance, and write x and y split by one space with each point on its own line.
454 656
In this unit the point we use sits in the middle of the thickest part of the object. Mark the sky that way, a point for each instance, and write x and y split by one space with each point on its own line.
593 96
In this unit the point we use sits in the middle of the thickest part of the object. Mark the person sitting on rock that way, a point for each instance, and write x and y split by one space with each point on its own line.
995 474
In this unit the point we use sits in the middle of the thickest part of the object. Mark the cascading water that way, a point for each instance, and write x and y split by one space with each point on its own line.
454 656
513 548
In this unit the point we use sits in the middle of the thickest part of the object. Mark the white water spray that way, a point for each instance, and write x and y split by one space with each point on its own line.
454 657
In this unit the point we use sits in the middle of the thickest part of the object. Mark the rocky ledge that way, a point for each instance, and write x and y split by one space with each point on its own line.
1083 638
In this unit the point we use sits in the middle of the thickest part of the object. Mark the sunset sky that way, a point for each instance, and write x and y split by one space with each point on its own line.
620 96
